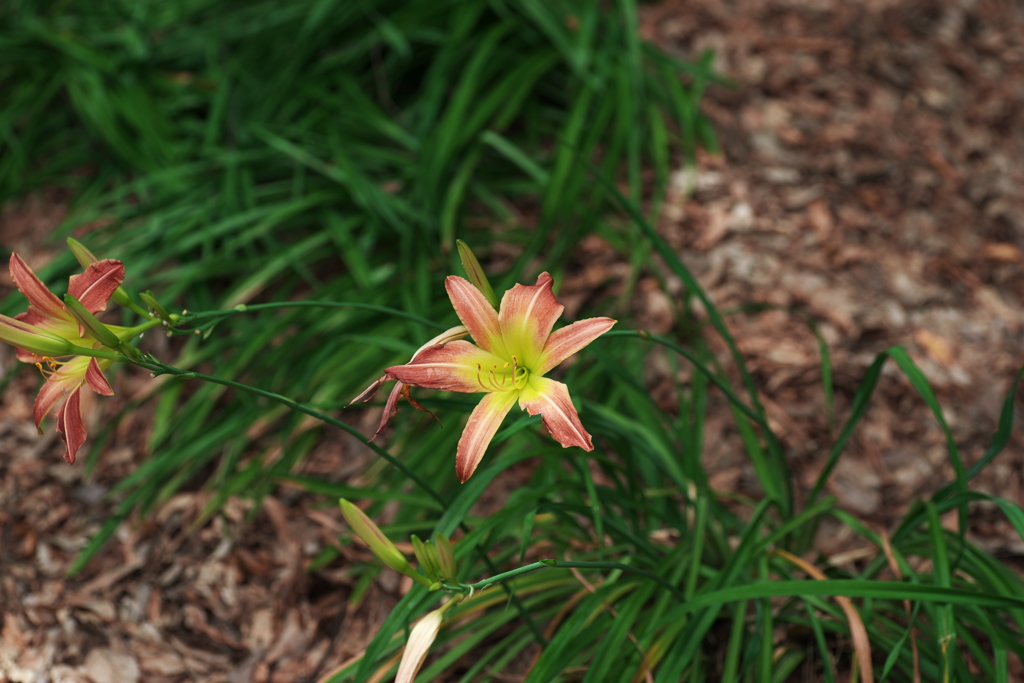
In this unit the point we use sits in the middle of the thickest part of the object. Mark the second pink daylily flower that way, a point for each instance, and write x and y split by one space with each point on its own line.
48 319
514 349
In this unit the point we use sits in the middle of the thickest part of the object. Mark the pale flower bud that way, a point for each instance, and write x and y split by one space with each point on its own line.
420 639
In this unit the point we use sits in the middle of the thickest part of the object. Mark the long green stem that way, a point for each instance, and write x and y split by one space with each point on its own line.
133 332
160 368
246 308
555 564
101 353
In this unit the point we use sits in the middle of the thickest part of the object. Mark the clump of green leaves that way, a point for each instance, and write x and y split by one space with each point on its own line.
238 152
674 580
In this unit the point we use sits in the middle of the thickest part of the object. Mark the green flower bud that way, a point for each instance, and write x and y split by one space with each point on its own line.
81 252
445 557
379 544
154 305
427 557
34 340
91 323
475 273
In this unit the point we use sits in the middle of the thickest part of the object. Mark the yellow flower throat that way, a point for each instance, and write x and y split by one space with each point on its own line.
509 376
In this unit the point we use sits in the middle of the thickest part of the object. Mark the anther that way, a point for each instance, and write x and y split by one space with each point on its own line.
52 365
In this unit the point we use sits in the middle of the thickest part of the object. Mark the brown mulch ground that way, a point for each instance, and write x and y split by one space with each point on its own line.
871 178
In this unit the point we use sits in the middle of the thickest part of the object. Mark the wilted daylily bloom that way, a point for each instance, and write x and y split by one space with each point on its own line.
515 349
50 319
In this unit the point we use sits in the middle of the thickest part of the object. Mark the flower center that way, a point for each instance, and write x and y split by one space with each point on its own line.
509 376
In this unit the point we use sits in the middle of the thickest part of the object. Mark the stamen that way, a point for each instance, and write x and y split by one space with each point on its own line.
491 374
52 366
479 379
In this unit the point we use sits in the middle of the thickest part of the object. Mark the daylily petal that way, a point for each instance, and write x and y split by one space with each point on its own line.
48 396
449 335
550 399
483 423
446 337
528 312
570 339
390 408
35 291
94 287
27 356
458 366
476 314
421 638
369 392
71 374
71 426
66 328
96 380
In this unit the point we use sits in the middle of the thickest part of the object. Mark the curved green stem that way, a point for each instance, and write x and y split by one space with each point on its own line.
135 308
246 308
133 332
555 564
101 353
160 368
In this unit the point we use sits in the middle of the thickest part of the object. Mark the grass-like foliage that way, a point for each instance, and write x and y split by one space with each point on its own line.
236 152
252 161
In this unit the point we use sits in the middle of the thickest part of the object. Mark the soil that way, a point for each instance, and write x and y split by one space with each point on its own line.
870 180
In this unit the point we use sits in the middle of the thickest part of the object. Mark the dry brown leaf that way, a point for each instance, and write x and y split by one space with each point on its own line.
819 215
163 663
935 346
1002 251
859 634
103 665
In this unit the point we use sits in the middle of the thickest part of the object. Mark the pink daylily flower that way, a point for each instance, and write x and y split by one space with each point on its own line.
514 349
65 377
